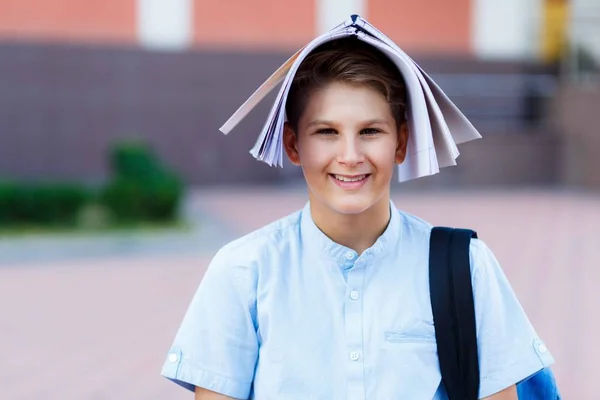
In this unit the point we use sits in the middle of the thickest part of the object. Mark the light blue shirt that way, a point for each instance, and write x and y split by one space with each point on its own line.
286 313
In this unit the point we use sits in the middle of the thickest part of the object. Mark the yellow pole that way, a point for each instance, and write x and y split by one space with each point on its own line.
554 29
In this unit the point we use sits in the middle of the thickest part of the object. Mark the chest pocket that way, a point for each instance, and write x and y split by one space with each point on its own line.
419 331
409 361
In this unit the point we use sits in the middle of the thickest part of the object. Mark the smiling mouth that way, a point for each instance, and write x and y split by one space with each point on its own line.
355 178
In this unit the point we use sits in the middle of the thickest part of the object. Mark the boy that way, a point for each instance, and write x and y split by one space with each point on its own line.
332 302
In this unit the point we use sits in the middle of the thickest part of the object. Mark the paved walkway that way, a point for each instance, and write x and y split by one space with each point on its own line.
99 327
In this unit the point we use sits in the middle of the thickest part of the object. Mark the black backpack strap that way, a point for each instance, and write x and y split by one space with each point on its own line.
453 309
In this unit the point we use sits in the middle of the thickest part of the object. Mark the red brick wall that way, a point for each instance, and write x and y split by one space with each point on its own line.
428 26
254 23
80 20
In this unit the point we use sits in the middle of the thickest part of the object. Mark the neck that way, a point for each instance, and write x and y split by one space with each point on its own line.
355 231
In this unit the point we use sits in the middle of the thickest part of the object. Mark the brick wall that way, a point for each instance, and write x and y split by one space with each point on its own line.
61 107
69 20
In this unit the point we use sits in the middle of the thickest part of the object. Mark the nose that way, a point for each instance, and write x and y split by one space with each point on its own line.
350 152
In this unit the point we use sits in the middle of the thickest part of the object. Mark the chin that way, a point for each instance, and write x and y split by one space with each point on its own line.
351 206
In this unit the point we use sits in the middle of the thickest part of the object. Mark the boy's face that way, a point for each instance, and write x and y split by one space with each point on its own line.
348 145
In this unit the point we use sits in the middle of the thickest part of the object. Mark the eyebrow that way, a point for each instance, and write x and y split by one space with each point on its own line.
368 122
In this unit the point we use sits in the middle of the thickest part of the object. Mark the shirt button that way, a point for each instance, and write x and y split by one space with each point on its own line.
354 295
354 355
350 255
173 357
542 349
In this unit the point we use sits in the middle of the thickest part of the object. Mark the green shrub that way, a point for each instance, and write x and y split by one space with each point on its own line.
45 204
133 159
8 202
155 198
141 189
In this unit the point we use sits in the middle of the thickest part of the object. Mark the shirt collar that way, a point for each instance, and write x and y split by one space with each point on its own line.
315 238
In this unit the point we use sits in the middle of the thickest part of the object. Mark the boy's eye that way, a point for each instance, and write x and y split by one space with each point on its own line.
369 131
326 131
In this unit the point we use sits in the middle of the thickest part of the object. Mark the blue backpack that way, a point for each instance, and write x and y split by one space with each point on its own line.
454 320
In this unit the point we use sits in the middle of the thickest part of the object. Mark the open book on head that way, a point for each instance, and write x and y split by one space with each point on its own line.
435 124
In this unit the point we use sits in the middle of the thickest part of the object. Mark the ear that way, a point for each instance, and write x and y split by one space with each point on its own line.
290 143
402 143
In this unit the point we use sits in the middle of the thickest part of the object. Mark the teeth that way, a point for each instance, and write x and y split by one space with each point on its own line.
346 179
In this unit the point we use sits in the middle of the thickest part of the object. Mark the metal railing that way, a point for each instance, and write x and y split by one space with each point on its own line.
582 62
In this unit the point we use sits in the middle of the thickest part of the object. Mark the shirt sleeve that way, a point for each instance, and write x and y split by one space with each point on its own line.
216 345
509 347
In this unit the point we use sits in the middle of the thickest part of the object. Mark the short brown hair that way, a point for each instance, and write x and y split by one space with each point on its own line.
347 60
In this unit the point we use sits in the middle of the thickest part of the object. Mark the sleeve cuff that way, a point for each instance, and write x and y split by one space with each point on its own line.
518 371
189 376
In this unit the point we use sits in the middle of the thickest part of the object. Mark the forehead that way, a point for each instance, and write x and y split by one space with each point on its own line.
346 101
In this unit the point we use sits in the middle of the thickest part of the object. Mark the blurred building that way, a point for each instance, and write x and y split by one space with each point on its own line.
484 28
75 76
